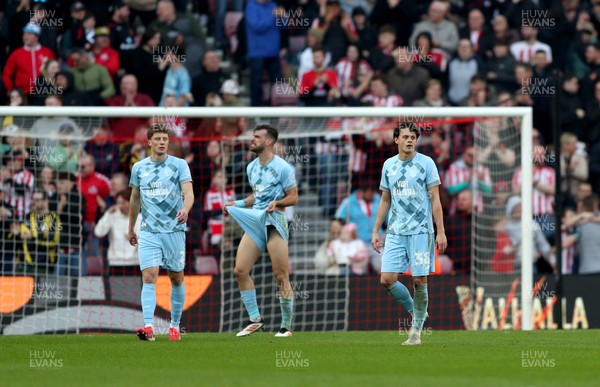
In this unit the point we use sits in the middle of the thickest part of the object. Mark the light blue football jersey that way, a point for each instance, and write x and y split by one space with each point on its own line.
408 182
160 192
269 182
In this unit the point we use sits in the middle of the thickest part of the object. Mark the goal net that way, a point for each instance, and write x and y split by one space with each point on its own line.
337 157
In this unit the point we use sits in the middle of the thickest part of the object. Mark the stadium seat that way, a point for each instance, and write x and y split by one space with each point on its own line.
95 266
232 19
206 264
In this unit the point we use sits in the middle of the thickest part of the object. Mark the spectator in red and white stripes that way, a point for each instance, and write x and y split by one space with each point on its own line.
19 181
462 175
350 66
214 198
569 242
543 189
524 50
380 95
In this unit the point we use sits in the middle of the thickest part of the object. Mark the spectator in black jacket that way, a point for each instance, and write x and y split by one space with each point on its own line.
476 31
367 34
148 66
104 151
65 82
572 114
501 68
592 121
210 80
381 57
401 14
70 209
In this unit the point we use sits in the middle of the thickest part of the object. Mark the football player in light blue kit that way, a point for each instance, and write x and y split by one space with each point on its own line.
410 186
162 187
273 184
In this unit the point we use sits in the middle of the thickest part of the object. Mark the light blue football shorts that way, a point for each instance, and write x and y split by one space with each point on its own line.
162 249
255 223
402 252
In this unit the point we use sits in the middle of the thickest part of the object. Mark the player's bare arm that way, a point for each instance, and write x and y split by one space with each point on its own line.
248 202
188 201
438 216
290 199
134 211
384 208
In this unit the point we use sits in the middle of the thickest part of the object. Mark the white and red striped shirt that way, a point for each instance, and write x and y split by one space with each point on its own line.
459 172
21 203
524 52
390 100
213 201
543 203
347 70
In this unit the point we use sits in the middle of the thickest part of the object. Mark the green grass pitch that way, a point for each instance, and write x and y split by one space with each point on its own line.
446 358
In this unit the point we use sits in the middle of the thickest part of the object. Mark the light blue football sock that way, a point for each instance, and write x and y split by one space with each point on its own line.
421 304
148 303
249 299
177 300
287 311
401 294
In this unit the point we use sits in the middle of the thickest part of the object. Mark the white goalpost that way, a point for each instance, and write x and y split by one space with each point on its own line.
259 114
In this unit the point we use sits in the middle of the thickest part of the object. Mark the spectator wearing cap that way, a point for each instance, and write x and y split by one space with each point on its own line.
24 64
91 78
367 34
49 34
181 30
64 157
45 129
125 126
232 126
122 36
19 181
75 35
148 65
70 209
104 54
210 80
406 79
443 32
401 14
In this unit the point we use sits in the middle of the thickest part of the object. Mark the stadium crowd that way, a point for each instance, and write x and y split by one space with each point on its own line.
65 180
